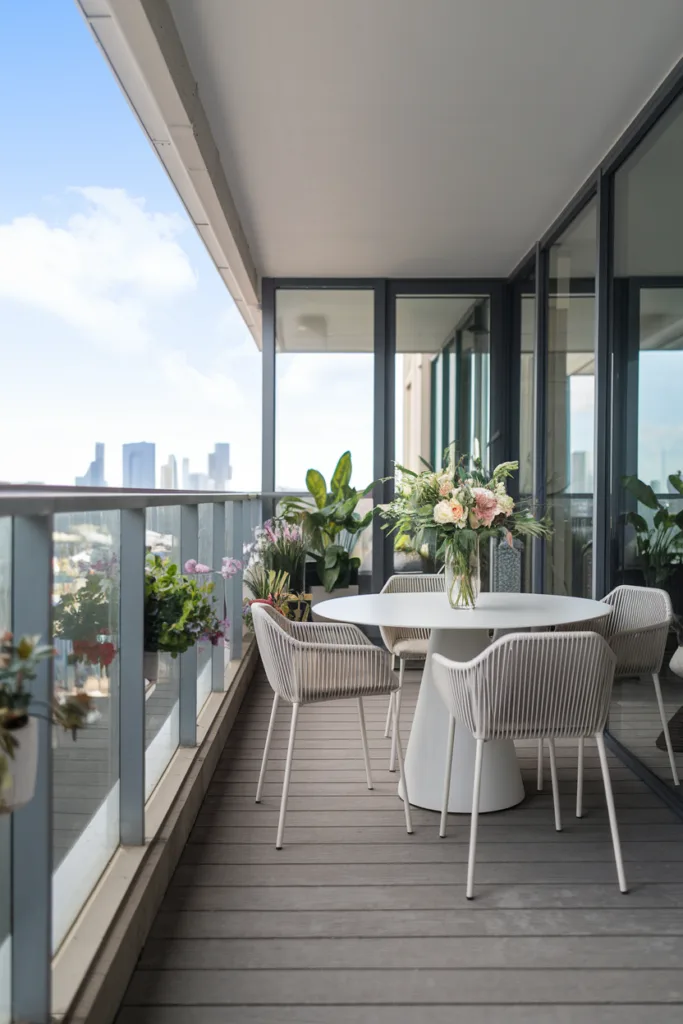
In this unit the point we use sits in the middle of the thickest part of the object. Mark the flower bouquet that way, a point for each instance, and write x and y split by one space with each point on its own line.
458 507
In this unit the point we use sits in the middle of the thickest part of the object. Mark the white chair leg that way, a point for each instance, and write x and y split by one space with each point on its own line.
579 781
447 779
556 788
611 811
539 767
397 704
364 738
479 756
387 724
288 772
665 728
399 755
266 749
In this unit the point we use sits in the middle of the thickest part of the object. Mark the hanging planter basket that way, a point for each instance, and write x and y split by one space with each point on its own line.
22 769
150 666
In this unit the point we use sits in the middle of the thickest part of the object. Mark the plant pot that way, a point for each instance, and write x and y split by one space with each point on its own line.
312 580
23 768
150 666
319 595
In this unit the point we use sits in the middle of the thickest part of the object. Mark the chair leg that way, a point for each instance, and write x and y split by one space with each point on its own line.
364 738
611 811
397 704
579 781
539 767
665 728
556 788
288 772
266 749
447 779
387 724
399 755
479 756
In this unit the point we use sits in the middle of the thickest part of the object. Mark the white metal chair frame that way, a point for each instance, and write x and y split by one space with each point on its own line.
530 686
636 630
311 662
398 641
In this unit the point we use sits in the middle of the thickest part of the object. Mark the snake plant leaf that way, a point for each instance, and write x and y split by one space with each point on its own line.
342 474
315 482
642 492
676 482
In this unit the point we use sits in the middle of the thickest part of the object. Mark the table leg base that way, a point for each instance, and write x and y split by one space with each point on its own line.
425 761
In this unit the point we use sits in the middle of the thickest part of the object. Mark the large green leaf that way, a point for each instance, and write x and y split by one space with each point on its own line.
333 554
315 482
642 492
342 474
330 577
676 482
637 522
662 518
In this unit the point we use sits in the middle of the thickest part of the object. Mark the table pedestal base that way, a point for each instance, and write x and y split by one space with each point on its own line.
425 760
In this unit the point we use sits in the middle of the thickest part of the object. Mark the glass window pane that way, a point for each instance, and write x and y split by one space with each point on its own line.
162 723
570 406
5 828
86 770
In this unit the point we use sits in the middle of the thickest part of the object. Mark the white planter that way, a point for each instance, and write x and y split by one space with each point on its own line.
319 594
676 663
23 768
150 666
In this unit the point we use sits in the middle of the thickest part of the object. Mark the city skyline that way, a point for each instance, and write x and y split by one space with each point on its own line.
139 469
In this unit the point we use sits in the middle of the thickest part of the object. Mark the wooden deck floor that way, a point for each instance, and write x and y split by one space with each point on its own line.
355 922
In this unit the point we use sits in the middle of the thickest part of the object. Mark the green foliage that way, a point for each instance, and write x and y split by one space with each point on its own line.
332 525
659 546
178 609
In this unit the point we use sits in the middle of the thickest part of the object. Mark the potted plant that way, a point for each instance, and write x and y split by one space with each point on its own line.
179 611
456 508
84 617
280 546
19 661
659 544
266 586
331 527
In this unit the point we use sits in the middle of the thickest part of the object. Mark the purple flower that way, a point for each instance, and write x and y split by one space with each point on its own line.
230 567
190 565
200 567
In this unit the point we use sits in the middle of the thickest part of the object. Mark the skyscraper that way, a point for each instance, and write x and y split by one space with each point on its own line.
186 474
139 465
94 475
168 475
220 469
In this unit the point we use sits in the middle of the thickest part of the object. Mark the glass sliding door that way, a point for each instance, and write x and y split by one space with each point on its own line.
526 437
570 407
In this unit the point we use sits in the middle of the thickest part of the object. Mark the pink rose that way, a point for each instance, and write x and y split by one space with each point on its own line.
486 505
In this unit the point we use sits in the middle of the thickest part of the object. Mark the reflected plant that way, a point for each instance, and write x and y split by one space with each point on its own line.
659 546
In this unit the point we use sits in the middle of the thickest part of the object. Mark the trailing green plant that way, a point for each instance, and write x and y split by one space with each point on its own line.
331 526
179 610
659 545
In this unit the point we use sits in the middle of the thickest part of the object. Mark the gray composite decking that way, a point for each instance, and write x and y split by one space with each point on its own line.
356 922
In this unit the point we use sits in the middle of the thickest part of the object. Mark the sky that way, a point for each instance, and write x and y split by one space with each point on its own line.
114 324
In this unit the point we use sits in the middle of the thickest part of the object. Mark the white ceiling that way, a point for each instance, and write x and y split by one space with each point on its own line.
416 137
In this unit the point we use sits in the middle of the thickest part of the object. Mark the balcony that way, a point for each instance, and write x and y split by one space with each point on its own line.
143 838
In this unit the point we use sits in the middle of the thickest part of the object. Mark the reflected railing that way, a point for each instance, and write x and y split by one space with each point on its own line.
91 794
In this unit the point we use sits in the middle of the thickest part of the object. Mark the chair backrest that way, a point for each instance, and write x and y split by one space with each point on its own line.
409 583
276 647
637 608
531 685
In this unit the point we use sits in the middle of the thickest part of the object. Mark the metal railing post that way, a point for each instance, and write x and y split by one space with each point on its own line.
132 683
189 543
236 517
32 825
218 551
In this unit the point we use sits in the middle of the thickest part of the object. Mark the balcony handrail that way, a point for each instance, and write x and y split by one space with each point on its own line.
20 500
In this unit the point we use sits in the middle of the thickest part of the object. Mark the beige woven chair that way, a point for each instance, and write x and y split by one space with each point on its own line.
636 630
405 644
530 686
311 662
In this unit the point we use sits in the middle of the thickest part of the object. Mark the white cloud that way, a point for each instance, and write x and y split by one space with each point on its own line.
100 273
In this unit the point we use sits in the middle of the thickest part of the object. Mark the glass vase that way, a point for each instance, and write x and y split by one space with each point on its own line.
462 574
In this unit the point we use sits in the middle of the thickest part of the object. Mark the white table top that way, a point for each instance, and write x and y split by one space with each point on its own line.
432 611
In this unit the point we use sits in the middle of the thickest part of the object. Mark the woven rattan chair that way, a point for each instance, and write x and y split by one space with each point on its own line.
406 644
530 686
636 630
311 662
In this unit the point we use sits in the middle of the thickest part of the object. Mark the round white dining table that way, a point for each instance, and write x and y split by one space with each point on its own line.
459 635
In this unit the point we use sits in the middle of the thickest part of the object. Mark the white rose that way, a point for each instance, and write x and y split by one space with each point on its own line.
443 513
505 504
